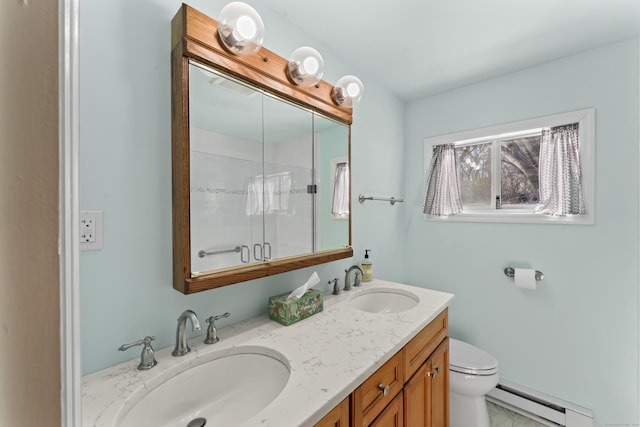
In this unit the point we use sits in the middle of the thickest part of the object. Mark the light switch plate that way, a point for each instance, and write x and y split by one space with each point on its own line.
91 230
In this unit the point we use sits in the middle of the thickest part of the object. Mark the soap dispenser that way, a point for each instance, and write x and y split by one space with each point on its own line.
367 267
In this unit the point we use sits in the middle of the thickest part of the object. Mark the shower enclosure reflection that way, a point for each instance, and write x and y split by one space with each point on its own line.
261 176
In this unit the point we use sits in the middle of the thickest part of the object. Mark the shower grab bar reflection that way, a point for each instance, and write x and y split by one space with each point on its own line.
203 253
391 200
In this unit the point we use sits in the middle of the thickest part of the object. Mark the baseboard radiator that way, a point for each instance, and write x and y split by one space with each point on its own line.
539 407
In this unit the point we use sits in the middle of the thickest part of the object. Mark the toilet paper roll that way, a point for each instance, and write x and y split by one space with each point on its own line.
525 278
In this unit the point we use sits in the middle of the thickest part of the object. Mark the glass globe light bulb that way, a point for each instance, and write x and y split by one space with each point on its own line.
305 67
353 90
347 91
246 27
240 28
310 65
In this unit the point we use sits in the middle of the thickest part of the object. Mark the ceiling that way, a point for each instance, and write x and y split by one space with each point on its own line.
417 48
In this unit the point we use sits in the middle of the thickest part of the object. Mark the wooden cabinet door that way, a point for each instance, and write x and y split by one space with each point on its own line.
426 400
416 397
440 386
392 415
338 417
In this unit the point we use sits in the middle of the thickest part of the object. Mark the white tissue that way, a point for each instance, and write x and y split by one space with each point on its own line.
298 292
525 278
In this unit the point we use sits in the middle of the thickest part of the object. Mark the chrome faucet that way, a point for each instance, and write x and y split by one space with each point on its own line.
347 277
182 347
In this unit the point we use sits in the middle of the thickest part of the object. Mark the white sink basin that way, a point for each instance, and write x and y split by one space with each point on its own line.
384 300
226 389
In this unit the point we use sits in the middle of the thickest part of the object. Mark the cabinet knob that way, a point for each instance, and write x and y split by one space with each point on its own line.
385 389
433 374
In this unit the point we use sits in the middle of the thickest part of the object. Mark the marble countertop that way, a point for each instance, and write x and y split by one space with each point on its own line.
329 354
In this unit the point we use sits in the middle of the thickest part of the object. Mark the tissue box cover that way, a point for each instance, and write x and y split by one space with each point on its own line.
291 311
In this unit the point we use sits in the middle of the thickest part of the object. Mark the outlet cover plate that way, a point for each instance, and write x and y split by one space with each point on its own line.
91 230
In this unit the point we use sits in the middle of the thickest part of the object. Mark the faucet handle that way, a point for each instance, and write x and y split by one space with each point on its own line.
147 357
212 331
218 317
336 287
357 280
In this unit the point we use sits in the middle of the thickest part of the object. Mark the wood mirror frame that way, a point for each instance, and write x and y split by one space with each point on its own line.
194 36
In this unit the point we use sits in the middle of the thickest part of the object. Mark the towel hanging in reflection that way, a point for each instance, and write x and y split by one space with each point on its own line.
268 194
340 206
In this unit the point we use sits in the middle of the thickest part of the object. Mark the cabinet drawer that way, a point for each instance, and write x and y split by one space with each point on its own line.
370 398
423 344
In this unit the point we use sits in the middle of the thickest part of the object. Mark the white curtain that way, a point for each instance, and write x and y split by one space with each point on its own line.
442 192
340 206
560 174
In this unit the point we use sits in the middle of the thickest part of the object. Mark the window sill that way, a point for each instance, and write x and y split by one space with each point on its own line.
512 217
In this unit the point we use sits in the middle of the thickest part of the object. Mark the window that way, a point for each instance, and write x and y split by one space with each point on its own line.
498 171
501 173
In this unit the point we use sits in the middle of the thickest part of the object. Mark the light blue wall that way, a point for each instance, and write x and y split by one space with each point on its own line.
576 337
125 160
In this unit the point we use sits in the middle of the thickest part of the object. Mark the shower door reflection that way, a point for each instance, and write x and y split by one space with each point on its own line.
289 195
226 156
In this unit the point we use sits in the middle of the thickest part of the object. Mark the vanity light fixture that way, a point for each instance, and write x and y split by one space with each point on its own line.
347 91
240 28
305 67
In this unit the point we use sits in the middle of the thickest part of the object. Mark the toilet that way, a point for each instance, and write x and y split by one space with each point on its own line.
472 374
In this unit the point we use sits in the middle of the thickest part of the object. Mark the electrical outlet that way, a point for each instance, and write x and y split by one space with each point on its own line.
91 230
87 228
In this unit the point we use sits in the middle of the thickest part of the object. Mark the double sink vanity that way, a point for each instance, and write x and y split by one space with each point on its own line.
373 356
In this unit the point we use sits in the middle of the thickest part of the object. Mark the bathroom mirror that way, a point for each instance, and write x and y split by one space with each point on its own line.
260 166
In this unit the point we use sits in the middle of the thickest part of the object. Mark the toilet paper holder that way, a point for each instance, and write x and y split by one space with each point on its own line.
511 272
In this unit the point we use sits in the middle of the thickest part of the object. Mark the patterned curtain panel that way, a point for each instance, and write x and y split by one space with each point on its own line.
560 174
442 191
340 205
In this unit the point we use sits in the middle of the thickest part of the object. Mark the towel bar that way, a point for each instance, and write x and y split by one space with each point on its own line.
392 200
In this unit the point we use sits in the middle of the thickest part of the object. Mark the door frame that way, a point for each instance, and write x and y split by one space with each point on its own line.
68 231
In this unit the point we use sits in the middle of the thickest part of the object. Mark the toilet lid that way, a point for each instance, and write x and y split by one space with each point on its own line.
467 359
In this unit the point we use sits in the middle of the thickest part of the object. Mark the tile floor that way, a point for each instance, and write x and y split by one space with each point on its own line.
502 417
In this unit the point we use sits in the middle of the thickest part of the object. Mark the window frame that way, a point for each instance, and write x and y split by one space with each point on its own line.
496 142
586 132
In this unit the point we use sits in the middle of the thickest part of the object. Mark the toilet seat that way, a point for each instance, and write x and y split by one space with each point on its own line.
467 359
